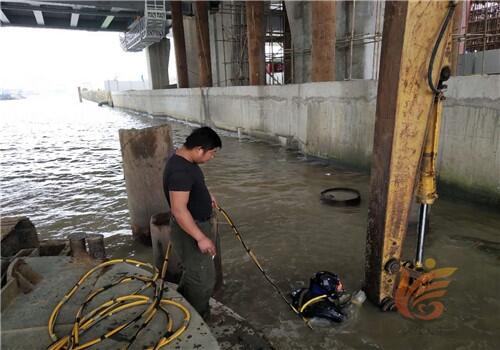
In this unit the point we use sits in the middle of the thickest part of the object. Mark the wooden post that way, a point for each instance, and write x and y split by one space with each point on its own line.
256 37
144 154
203 38
180 45
323 41
404 102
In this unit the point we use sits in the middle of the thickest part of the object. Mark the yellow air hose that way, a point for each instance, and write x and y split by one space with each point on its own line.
312 301
259 266
84 322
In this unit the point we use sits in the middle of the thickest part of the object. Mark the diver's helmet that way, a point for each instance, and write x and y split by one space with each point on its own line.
325 282
322 283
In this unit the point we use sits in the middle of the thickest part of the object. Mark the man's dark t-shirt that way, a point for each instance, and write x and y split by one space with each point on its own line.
182 175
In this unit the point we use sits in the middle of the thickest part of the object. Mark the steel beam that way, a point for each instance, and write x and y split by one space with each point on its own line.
256 42
107 21
39 17
3 17
323 41
179 44
404 102
74 20
129 5
62 23
203 38
80 11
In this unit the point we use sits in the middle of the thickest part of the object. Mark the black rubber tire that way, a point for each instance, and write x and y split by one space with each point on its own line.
355 201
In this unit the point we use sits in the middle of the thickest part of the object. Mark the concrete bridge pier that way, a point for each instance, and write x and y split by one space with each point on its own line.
157 56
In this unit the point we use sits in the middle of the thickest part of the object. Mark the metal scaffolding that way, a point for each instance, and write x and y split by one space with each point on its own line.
476 32
234 43
483 26
146 30
274 46
358 43
350 41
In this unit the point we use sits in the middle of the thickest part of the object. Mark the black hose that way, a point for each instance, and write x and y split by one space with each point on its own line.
451 9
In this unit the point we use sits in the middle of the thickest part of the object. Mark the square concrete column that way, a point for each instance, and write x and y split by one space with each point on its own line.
157 56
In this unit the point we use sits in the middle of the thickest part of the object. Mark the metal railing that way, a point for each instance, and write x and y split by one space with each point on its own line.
146 30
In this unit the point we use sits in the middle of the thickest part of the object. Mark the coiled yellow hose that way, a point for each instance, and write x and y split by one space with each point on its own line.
83 322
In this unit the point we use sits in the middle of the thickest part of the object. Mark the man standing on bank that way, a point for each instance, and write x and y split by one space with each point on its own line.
191 207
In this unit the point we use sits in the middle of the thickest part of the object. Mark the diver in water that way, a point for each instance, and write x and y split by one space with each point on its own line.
325 299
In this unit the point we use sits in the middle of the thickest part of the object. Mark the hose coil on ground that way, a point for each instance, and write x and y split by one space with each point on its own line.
85 321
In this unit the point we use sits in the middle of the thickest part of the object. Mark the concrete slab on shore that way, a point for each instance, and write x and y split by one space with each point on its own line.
24 321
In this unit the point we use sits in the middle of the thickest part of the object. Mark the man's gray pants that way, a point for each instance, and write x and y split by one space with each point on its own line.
198 278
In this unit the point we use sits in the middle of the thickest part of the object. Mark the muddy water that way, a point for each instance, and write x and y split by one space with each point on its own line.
61 167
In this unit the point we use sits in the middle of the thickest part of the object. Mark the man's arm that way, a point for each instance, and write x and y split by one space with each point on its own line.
214 201
178 207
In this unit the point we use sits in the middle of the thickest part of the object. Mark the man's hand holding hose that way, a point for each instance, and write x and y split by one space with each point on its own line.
206 246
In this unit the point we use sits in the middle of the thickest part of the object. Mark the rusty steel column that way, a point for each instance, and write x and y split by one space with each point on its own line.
203 38
179 44
323 41
287 45
256 42
404 104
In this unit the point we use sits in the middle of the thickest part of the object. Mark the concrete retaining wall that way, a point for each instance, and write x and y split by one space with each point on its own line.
472 62
124 85
470 138
336 120
98 96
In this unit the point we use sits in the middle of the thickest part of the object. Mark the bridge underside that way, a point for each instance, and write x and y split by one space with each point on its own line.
115 16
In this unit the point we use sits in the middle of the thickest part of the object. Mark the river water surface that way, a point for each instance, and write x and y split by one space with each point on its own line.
61 167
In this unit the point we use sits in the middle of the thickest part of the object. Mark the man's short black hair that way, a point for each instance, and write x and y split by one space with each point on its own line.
203 137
